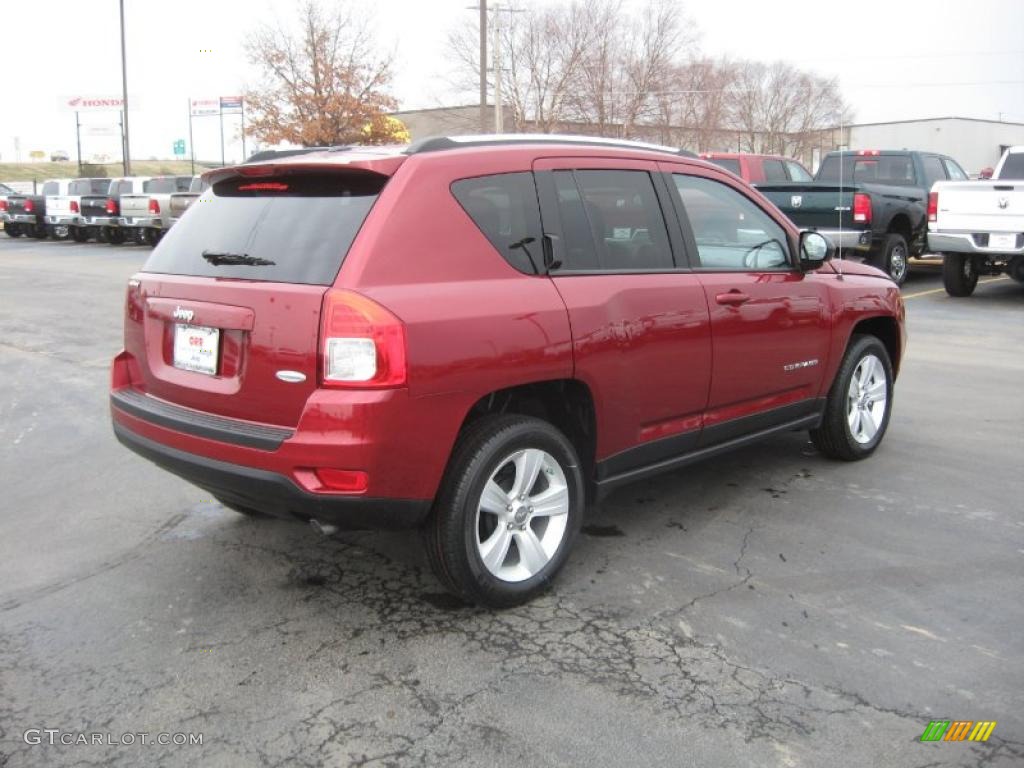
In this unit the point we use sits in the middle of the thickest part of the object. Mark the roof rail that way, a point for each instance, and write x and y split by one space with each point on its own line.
441 143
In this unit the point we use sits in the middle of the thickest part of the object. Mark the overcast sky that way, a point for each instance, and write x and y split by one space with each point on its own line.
895 59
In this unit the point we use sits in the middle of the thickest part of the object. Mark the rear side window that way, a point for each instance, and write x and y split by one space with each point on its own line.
611 221
729 163
286 229
954 171
797 172
1013 168
933 168
773 171
504 207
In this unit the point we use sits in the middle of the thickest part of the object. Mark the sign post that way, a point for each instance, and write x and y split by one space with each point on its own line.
78 142
230 105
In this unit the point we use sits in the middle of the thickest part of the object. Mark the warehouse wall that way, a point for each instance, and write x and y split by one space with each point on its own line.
972 143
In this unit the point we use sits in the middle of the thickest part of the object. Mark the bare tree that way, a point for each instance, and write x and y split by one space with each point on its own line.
778 109
323 81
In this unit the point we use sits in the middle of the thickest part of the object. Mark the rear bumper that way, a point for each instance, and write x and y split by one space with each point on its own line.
141 221
64 221
103 221
848 239
275 494
23 218
969 242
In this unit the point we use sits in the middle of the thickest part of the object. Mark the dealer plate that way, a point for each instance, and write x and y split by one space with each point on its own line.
1008 242
196 348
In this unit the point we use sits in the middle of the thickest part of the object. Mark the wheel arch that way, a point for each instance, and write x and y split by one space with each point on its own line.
886 330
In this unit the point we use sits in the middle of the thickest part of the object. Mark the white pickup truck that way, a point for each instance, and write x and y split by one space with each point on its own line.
978 226
64 205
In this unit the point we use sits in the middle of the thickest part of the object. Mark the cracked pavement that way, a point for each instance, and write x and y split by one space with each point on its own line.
768 608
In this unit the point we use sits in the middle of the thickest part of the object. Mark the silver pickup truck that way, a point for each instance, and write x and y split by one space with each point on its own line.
145 216
978 226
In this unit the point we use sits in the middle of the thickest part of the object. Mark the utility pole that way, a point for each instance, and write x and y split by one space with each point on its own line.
78 141
124 99
498 121
483 66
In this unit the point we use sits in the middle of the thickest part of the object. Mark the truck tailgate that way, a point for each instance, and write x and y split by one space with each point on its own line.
980 206
813 205
134 205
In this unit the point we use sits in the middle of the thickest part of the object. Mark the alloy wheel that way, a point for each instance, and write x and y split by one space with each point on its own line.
867 398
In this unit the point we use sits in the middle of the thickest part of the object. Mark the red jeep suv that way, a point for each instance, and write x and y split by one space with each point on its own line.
477 336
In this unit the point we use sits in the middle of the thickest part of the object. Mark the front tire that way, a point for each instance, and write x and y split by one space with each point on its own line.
959 274
509 509
859 402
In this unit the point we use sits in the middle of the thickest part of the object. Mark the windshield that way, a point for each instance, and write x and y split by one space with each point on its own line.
289 229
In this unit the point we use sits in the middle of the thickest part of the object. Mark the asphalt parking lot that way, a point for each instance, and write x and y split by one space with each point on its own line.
769 608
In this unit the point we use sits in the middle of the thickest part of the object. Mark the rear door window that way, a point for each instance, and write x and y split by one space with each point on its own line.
504 207
611 221
288 229
774 171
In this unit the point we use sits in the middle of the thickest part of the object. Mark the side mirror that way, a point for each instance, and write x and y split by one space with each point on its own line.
815 250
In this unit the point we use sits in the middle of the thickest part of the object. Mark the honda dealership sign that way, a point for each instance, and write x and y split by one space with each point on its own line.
93 103
202 107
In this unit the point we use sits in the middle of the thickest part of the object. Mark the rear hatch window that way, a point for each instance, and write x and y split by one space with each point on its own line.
292 228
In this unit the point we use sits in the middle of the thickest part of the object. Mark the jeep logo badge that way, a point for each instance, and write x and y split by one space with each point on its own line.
796 201
183 314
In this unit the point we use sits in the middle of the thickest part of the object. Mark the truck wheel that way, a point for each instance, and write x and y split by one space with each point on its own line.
859 402
959 274
508 511
13 230
79 234
39 231
115 235
893 258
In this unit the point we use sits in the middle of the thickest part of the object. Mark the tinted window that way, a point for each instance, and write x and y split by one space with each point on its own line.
731 232
773 170
302 224
729 163
611 220
51 188
954 171
797 172
933 168
1013 168
897 170
167 184
89 187
505 208
121 188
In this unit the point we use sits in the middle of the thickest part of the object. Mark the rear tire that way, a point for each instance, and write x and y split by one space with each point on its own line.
856 415
893 258
115 235
508 511
38 231
959 274
13 230
79 234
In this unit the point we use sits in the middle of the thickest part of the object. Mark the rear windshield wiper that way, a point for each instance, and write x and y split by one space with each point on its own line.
217 259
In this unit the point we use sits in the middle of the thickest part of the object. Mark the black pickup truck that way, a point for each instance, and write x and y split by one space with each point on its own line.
869 202
26 215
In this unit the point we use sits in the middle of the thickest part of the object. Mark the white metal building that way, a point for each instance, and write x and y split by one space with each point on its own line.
975 144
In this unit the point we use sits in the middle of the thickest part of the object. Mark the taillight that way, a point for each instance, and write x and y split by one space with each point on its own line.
363 343
869 153
112 206
3 205
30 207
154 206
861 207
74 206
933 206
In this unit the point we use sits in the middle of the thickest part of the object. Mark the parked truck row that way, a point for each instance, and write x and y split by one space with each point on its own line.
135 209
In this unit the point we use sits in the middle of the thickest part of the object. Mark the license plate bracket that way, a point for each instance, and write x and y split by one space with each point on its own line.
196 348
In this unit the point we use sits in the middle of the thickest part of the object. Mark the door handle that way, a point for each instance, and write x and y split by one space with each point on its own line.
732 298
